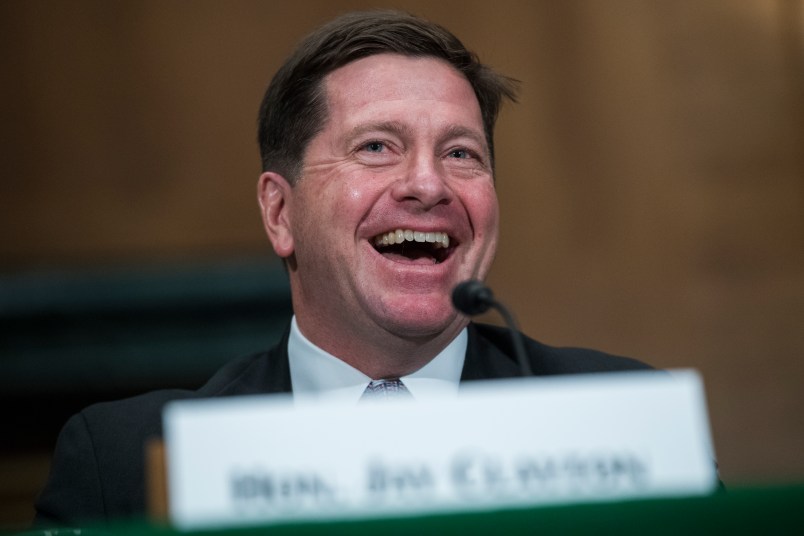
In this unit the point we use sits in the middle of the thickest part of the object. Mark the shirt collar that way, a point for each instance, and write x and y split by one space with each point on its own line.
316 374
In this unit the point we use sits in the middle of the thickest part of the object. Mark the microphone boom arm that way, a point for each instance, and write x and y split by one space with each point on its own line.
472 297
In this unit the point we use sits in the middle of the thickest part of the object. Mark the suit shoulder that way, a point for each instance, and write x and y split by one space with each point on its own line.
550 360
147 407
570 360
139 414
240 376
97 466
97 470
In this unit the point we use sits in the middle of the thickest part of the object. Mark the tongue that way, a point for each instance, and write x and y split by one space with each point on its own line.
410 256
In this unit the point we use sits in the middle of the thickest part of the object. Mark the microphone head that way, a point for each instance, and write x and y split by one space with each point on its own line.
472 297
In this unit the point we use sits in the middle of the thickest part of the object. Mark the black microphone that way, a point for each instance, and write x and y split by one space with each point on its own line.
473 297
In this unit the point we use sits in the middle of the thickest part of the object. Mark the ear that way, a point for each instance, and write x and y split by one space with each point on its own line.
274 193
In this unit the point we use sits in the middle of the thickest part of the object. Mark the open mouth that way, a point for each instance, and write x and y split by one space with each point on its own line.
414 246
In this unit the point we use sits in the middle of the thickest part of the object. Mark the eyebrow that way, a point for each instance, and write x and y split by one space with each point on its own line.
394 127
458 131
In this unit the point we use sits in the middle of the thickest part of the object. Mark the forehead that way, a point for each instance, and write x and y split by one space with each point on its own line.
383 79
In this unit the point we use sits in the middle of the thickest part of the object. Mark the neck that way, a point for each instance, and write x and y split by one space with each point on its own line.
380 353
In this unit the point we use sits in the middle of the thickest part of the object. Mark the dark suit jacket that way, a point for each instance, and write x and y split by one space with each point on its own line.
97 471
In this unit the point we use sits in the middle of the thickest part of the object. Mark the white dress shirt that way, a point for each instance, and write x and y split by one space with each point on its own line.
318 375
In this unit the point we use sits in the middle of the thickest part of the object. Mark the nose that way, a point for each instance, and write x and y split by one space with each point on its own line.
424 183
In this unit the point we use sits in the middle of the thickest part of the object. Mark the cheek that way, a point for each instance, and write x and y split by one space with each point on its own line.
336 209
483 209
355 198
355 195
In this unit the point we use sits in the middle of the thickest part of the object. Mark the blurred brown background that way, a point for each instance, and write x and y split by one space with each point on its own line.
651 178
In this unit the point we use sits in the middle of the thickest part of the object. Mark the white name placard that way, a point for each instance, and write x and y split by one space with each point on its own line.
499 444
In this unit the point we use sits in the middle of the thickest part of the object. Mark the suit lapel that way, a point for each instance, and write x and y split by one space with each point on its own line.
485 361
277 373
265 373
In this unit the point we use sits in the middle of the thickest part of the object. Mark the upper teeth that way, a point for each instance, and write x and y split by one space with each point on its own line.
402 235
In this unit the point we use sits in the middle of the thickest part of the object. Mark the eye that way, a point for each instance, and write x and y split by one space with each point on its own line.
374 147
465 158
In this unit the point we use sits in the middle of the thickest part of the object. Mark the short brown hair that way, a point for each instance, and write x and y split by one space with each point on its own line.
293 109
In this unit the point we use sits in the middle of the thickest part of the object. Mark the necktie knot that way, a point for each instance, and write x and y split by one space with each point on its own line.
385 390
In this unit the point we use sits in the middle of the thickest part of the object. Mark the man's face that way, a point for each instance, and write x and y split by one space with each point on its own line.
402 155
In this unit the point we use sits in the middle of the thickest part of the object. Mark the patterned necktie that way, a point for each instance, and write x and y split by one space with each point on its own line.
381 390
